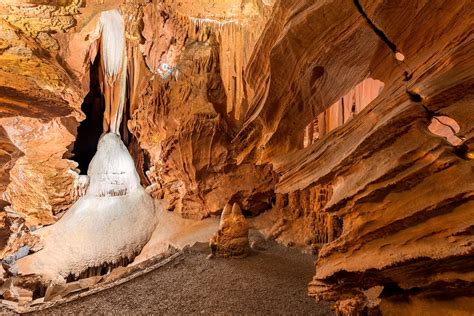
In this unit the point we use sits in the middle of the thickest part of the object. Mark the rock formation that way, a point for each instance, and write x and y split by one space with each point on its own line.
111 222
340 127
232 238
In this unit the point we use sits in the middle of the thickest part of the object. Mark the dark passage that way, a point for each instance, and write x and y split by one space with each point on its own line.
91 128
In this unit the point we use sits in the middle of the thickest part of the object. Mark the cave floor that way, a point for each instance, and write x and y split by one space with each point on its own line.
269 282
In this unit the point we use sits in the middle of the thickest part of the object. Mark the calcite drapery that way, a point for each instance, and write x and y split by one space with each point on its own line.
113 63
113 220
391 199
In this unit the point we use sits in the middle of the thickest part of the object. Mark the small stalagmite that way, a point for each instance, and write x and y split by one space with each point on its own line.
231 240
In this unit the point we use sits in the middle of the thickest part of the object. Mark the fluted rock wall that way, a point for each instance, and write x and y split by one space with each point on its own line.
186 118
38 112
38 187
402 195
270 104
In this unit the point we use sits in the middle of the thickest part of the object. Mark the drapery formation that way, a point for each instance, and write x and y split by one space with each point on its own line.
113 57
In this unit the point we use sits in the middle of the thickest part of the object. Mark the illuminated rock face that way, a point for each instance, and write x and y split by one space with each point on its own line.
39 186
252 102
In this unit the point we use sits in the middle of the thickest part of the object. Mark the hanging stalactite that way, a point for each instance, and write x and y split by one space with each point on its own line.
114 68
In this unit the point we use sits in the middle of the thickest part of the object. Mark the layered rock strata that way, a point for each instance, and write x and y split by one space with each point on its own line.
263 103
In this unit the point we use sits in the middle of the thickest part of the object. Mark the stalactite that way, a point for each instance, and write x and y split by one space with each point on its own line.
343 110
114 65
236 41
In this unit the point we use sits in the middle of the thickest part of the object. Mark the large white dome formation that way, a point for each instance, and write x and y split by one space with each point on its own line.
111 222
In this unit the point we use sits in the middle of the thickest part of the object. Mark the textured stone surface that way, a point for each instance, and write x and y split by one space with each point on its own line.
40 186
39 104
232 238
274 105
189 139
395 185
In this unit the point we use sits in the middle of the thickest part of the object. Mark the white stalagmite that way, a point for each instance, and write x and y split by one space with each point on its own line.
112 221
115 217
112 170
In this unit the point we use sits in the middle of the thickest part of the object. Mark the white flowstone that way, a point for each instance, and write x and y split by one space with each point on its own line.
113 220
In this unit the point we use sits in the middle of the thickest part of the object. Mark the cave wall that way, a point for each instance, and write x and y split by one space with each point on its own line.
186 120
38 112
220 98
402 194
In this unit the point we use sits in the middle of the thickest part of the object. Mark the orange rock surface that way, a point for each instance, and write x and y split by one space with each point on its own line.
341 127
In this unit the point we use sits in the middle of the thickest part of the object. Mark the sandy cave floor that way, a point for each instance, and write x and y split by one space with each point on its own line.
269 282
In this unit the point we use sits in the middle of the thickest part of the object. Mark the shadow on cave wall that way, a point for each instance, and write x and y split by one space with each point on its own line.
89 131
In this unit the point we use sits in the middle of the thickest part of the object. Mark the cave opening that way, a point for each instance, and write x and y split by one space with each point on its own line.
90 129
346 108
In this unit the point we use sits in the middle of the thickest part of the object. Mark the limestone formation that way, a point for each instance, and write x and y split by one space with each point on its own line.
232 238
110 223
343 128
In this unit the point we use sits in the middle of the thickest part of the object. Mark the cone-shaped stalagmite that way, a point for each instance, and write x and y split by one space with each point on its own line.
115 217
231 240
111 222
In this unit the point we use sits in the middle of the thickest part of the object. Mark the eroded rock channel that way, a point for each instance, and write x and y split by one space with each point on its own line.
340 130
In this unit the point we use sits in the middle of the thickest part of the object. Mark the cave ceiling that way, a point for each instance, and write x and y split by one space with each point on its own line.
347 127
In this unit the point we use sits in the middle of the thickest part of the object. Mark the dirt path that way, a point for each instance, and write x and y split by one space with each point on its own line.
268 282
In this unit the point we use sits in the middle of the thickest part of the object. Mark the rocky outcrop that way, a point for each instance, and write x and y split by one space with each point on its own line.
183 122
39 103
40 187
395 185
276 105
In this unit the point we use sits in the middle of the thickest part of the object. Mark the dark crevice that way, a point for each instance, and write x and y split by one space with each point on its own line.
39 291
124 132
89 131
408 76
393 290
415 97
377 31
462 151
